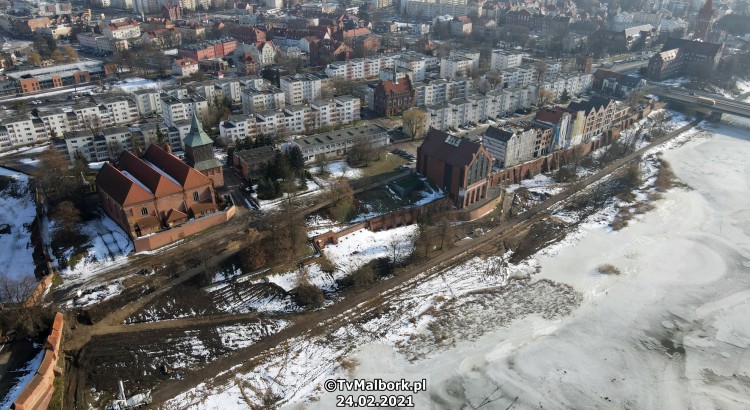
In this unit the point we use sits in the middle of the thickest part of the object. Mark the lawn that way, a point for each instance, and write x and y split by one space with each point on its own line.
387 163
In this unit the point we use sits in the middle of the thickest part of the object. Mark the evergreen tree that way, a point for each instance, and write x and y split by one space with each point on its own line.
565 97
296 159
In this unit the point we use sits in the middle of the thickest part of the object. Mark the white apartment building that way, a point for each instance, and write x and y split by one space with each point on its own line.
359 68
300 88
458 66
510 145
467 53
147 102
22 130
102 43
440 91
230 88
270 122
503 59
238 127
262 99
174 109
121 111
517 77
55 121
417 64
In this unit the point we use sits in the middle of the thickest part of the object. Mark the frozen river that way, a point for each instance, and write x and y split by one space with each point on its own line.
670 332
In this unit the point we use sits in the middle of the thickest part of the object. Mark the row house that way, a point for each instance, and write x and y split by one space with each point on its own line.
510 145
596 116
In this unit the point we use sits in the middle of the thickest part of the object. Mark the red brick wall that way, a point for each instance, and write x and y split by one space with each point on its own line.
38 393
160 239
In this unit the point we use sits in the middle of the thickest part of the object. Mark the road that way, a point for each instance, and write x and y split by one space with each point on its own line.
347 310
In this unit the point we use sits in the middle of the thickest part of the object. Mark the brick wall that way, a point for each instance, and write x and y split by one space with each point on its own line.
38 393
157 240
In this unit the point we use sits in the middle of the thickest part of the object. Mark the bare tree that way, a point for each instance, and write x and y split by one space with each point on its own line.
544 96
24 312
415 122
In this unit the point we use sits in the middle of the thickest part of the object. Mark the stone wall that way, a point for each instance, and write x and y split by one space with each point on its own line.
38 393
159 239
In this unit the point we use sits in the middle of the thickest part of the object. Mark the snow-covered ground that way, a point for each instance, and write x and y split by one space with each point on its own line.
338 169
108 246
668 332
16 257
26 150
351 252
24 375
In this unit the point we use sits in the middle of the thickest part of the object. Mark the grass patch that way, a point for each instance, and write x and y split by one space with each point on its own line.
608 269
622 218
387 163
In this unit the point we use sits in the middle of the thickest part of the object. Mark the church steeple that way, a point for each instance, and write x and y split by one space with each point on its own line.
704 20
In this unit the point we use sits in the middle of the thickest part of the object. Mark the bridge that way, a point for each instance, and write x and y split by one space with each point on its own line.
710 104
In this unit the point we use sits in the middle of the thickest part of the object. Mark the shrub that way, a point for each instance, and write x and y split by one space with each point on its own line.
326 265
607 269
361 277
308 295
665 178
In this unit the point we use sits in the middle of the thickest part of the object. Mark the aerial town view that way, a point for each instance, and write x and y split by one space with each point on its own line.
428 204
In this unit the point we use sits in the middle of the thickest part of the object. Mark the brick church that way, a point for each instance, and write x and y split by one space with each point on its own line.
158 191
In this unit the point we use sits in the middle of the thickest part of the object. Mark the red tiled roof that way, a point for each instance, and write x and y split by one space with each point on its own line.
119 187
175 215
155 181
180 171
403 86
200 207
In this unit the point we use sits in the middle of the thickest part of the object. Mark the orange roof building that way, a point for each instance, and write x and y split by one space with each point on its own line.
154 192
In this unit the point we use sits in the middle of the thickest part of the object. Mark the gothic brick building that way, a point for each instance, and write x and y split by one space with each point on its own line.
153 193
458 166
704 21
393 98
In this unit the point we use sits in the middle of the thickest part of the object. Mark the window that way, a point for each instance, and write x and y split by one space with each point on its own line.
195 196
144 211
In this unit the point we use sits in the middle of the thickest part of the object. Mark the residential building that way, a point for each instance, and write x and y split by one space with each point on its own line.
162 38
300 88
174 109
457 66
458 166
503 59
623 86
185 67
122 29
461 26
147 102
437 92
238 127
560 121
598 115
509 145
101 43
208 49
583 63
264 98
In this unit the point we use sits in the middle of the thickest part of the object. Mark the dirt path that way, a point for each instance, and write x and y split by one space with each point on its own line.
345 311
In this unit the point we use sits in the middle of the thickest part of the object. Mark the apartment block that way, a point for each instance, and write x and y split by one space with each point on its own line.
300 88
